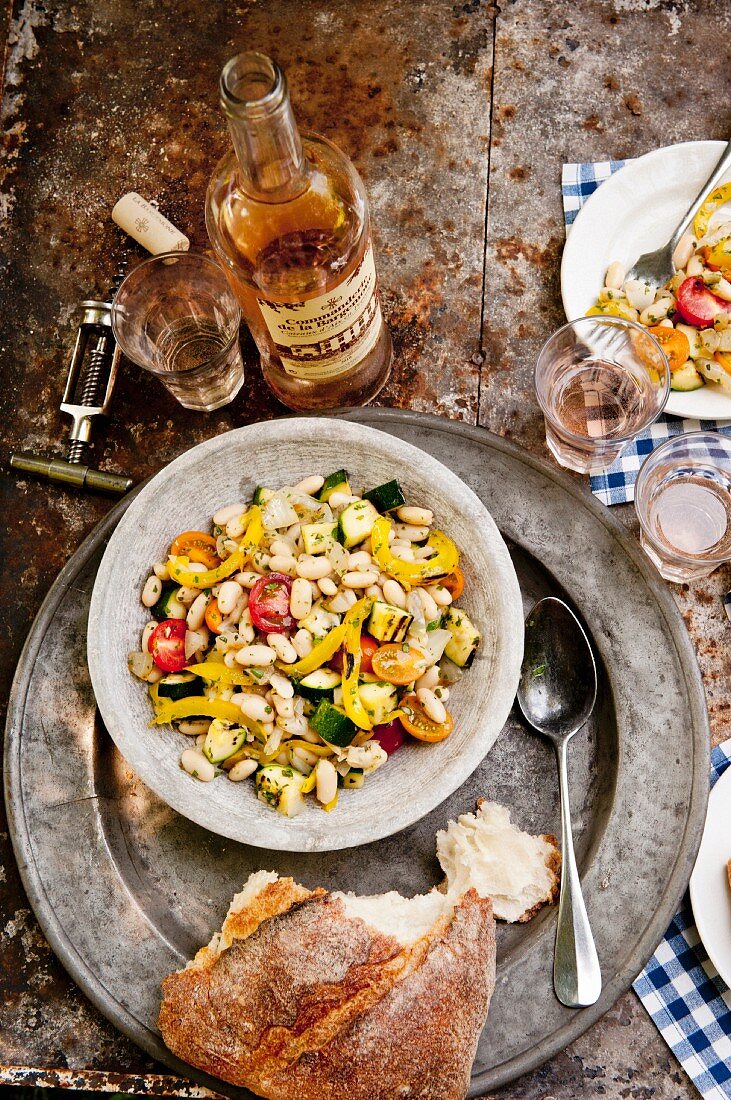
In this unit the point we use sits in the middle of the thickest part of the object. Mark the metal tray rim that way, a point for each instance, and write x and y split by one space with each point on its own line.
651 934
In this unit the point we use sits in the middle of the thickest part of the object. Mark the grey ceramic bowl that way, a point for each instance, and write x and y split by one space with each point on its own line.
225 470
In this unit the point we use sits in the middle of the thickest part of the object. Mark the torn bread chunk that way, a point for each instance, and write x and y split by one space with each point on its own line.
520 872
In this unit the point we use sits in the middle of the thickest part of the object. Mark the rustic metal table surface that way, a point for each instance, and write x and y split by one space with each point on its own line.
459 116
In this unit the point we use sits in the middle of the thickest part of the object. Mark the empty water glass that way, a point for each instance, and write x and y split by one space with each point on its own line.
175 315
683 502
599 381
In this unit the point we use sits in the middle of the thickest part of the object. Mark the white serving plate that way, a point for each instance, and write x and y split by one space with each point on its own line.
636 211
225 470
710 894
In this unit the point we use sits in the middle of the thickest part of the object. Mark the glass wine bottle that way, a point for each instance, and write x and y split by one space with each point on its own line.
288 217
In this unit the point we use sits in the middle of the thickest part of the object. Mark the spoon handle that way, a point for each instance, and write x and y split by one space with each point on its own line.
577 978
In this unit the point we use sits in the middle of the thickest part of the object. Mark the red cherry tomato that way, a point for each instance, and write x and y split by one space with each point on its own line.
696 304
390 736
269 604
368 647
167 645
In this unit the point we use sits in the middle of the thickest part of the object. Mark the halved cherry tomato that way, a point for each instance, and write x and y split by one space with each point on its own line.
167 645
398 664
723 358
696 304
269 604
718 256
196 546
368 647
389 736
454 583
214 616
417 722
675 344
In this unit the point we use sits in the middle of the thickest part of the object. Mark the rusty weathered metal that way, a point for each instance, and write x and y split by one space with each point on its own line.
100 96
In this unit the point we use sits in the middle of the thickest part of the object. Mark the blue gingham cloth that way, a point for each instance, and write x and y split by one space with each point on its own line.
687 1000
617 484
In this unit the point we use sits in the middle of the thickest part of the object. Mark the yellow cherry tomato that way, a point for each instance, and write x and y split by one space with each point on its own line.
417 722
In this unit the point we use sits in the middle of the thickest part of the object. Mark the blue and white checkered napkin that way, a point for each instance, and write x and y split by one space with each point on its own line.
687 1000
617 484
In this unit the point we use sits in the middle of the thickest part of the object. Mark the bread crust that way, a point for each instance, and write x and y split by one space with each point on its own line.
309 1004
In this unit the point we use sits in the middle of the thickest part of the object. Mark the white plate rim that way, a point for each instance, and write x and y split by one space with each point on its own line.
710 858
708 403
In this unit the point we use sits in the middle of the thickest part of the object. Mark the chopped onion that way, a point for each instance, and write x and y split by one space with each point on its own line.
715 236
140 664
449 672
435 643
338 557
308 509
278 512
195 640
415 608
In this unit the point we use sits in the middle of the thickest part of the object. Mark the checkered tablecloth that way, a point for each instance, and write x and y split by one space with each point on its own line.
617 484
687 1000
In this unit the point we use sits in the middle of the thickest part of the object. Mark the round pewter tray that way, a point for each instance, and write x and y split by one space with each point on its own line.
126 890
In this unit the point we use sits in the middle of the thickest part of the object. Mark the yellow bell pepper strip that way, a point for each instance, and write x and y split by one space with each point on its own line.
321 653
193 705
317 750
181 570
215 672
717 197
331 805
413 573
352 703
310 781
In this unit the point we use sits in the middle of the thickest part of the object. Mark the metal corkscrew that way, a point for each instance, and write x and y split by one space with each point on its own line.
87 394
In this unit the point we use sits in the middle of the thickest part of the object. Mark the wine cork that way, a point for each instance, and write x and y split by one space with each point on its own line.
149 228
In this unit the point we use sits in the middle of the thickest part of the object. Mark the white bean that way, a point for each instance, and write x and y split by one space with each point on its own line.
327 782
282 546
260 655
359 560
253 706
160 570
229 595
357 579
420 516
327 586
229 658
310 485
434 707
431 610
152 591
195 763
152 625
247 579
655 312
615 275
242 770
342 602
154 675
281 686
312 568
666 323
694 266
231 511
429 680
283 563
197 611
339 500
187 595
408 532
683 251
441 595
403 553
283 648
284 707
300 598
236 527
200 740
442 693
374 591
260 561
394 593
194 728
302 642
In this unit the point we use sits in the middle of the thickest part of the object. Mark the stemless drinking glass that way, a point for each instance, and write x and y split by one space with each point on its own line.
683 502
175 316
599 381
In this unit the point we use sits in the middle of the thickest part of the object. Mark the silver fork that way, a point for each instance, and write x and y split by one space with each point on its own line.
657 267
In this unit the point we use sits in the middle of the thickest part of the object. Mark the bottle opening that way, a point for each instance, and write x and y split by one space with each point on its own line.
251 84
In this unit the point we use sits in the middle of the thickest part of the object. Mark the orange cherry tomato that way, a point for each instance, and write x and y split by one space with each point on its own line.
368 647
454 583
723 358
398 664
718 257
214 618
675 344
196 546
417 722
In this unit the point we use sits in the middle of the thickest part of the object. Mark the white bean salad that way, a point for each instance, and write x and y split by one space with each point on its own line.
302 640
690 316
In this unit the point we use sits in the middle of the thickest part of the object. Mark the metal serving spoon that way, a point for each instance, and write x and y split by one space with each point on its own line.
657 267
556 693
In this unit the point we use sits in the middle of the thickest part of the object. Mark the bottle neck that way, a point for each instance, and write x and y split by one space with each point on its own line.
268 148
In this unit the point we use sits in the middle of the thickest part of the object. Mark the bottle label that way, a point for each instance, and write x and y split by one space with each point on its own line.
326 336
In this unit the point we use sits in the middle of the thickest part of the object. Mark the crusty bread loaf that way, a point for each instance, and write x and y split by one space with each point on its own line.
519 871
299 998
